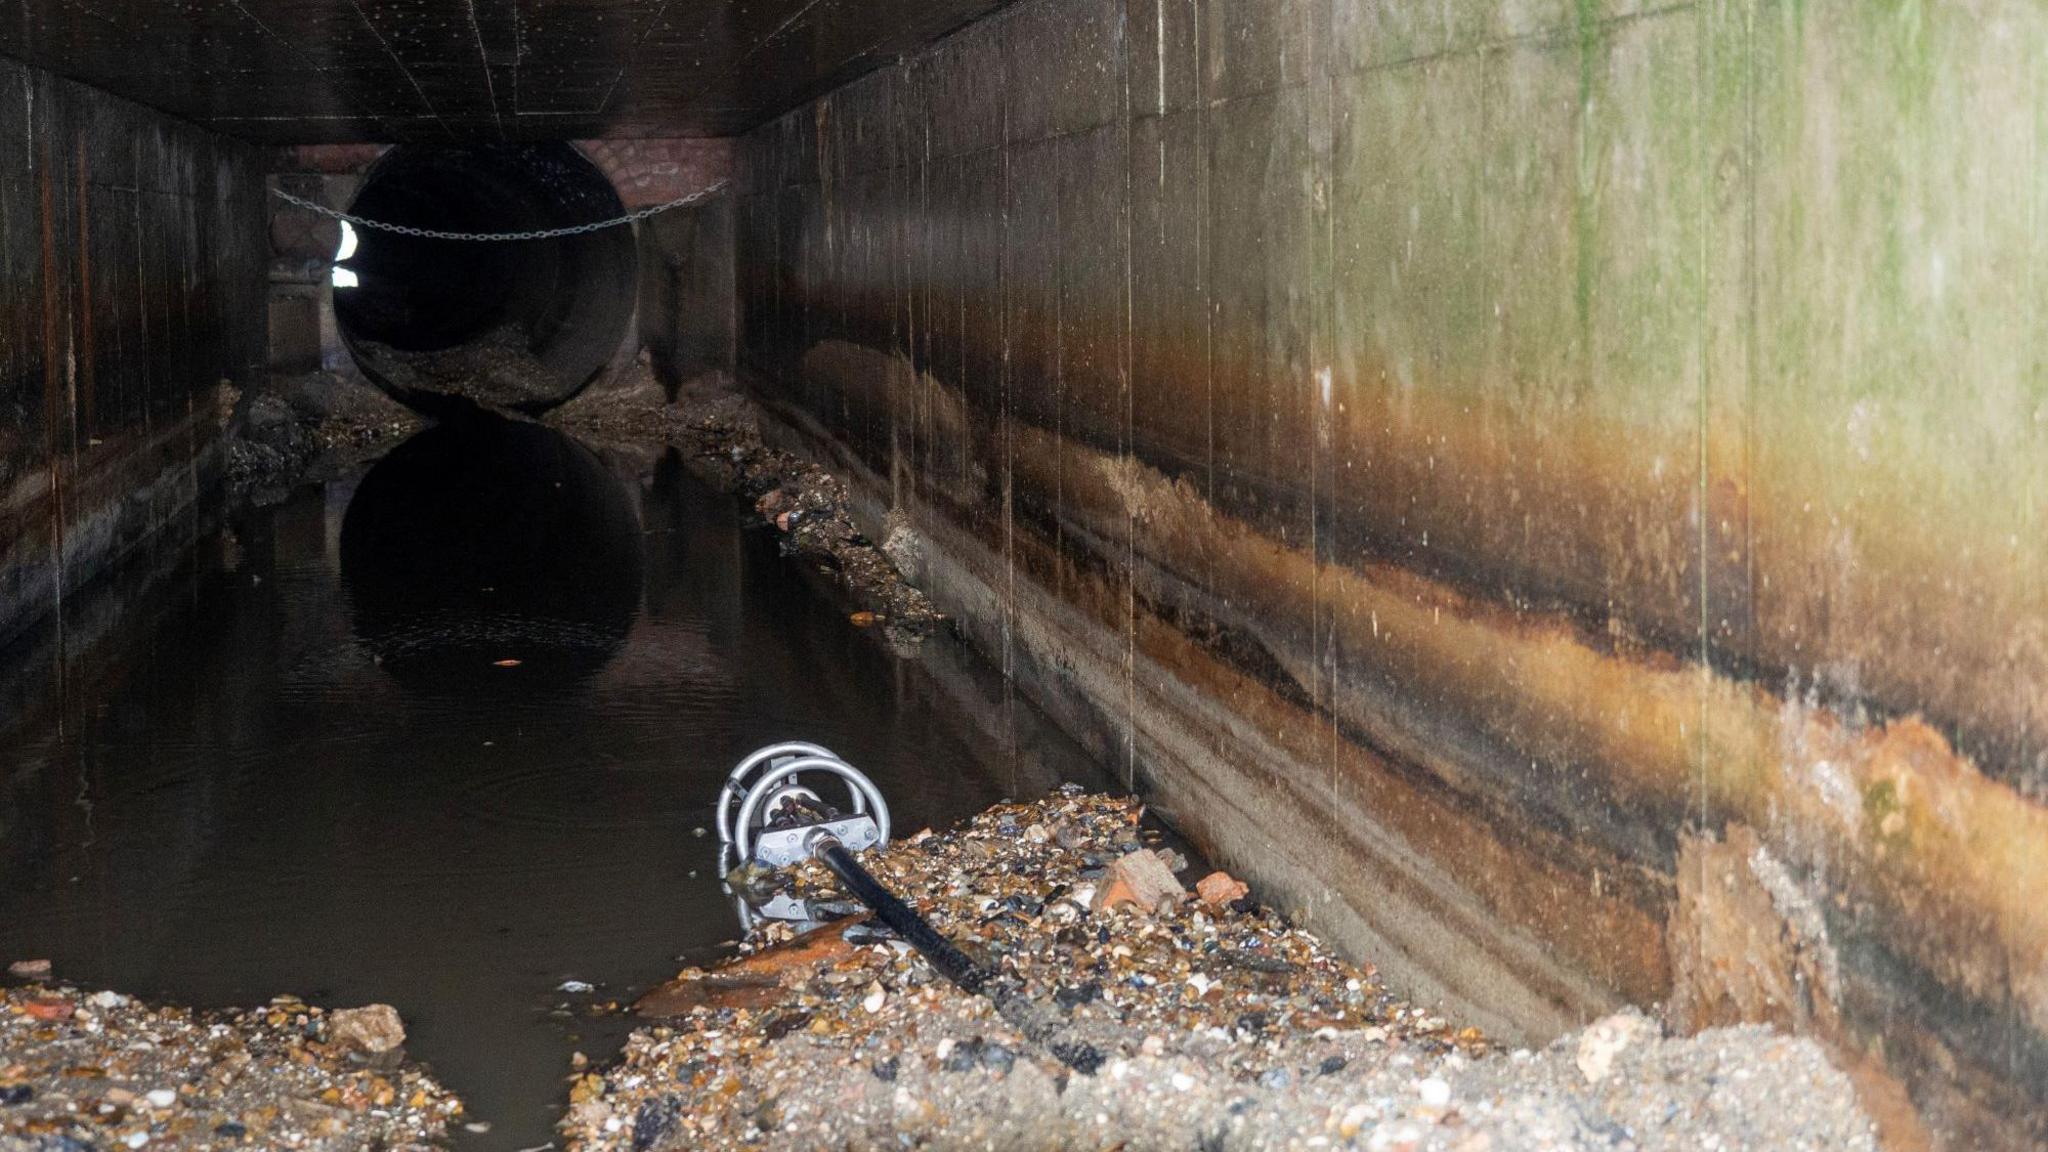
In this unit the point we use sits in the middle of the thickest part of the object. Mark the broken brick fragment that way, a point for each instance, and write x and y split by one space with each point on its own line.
1219 890
1141 880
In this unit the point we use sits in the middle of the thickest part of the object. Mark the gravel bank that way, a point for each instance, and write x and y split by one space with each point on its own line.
99 1070
718 432
1218 1027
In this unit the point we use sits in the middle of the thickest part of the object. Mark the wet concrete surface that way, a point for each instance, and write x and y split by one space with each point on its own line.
295 778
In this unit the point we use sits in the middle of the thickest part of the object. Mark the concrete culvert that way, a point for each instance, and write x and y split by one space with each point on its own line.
518 326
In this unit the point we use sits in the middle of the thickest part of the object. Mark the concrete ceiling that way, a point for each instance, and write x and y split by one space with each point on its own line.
311 71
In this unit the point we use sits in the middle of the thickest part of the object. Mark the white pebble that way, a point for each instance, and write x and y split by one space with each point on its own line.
1183 1082
136 1139
1435 1092
875 998
161 1098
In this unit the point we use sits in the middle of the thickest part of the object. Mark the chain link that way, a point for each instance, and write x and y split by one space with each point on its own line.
538 234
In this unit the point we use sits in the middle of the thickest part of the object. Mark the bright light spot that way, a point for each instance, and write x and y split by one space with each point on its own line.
344 277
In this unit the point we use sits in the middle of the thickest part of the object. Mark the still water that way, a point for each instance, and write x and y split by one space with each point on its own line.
310 763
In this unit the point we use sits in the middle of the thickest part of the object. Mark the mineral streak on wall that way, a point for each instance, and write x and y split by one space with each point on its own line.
1466 459
132 256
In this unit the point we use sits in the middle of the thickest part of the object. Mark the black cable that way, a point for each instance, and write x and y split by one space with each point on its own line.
951 962
1037 1023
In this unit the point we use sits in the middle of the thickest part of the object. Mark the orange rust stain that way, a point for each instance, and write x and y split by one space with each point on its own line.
1743 957
1533 880
1660 736
753 981
1611 521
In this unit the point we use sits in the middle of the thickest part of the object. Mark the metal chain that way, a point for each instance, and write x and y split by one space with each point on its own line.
538 234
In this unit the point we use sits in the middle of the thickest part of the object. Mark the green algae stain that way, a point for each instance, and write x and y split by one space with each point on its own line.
1585 201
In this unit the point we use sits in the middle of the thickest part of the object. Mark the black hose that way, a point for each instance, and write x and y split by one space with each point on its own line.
1038 1024
951 962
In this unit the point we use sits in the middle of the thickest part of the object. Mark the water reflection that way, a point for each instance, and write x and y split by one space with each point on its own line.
491 554
269 812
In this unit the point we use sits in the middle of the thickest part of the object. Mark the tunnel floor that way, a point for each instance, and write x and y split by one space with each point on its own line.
314 770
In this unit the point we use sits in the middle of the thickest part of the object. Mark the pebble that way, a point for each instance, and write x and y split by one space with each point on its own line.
1600 1044
1220 890
374 1030
161 1098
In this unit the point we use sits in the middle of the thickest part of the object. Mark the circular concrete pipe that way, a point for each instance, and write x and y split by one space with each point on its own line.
513 325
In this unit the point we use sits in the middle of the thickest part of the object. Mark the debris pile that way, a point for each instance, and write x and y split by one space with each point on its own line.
496 371
306 427
85 1070
1218 1024
718 431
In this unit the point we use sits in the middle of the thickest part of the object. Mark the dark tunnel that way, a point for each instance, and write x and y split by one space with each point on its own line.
1448 574
519 326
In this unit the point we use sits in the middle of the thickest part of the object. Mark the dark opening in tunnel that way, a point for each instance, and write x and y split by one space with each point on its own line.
515 325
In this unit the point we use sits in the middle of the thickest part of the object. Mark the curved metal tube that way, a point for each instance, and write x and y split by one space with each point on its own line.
863 790
736 783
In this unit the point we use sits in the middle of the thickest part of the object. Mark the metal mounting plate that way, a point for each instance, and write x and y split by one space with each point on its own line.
779 848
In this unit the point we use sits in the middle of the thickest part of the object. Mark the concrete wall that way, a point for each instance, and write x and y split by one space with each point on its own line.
132 254
1552 490
687 321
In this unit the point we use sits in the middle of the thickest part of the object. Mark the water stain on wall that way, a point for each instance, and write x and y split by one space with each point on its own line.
1463 462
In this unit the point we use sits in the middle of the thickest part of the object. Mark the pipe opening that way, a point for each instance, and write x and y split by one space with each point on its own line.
519 326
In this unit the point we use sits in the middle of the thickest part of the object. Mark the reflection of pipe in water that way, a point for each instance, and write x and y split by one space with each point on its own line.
492 553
